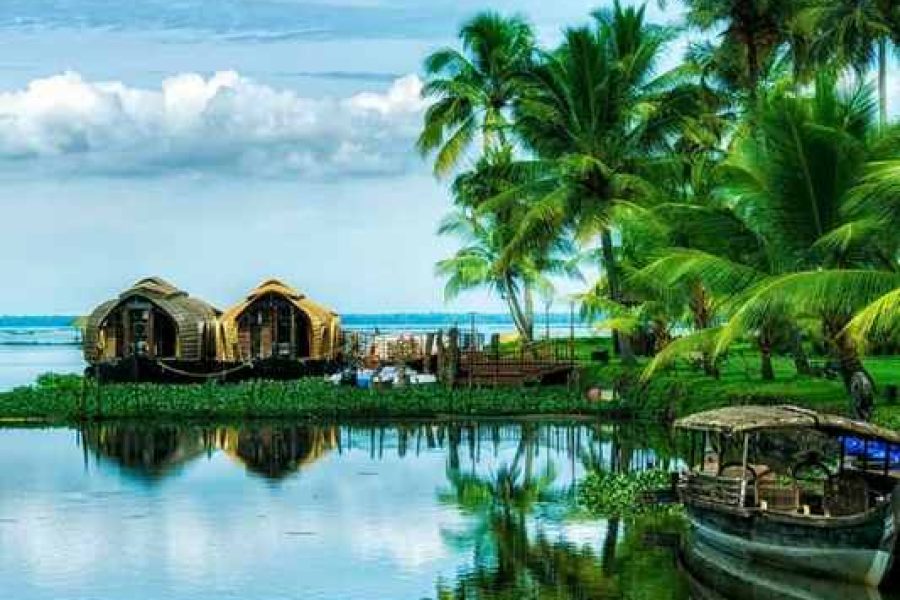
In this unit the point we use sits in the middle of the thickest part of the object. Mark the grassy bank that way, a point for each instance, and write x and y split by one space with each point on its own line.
670 393
683 390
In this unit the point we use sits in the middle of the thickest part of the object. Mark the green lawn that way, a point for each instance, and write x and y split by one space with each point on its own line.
683 390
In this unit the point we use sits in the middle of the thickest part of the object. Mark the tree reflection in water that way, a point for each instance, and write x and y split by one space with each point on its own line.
515 557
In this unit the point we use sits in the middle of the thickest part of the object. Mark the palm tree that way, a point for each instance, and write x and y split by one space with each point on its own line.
587 114
485 261
799 184
751 33
858 33
473 89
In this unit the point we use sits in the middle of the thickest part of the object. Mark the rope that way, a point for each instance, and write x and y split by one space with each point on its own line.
166 367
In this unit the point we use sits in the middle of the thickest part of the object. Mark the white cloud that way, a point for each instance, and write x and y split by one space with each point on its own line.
224 122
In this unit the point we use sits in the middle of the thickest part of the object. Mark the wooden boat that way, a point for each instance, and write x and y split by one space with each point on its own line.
795 489
715 575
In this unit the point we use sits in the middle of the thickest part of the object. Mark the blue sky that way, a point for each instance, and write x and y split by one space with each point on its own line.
218 142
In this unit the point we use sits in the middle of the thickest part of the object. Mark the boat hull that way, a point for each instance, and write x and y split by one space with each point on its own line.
715 575
858 549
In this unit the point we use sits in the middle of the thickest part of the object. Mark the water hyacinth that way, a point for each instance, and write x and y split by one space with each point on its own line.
71 398
609 494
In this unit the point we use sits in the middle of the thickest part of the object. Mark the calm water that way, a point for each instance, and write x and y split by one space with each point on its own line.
21 364
285 510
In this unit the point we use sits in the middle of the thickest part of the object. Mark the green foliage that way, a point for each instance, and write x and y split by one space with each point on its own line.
65 399
610 494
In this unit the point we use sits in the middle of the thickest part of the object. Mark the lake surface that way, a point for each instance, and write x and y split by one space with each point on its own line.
340 511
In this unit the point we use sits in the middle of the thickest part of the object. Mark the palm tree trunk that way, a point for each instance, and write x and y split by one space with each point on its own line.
700 311
621 343
523 325
766 371
528 297
752 68
856 379
882 82
801 360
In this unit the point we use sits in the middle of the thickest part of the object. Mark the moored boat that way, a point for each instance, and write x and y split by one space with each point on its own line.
794 489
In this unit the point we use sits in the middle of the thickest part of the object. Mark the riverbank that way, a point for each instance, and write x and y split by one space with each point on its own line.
669 394
682 391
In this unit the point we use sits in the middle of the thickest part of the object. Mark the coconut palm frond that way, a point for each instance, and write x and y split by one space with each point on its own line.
878 194
853 234
841 292
699 341
627 324
879 320
719 274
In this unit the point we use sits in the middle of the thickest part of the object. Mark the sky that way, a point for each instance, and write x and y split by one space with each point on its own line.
217 143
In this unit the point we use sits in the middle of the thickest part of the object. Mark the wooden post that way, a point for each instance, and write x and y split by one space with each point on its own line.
742 499
429 347
151 324
453 358
440 355
293 353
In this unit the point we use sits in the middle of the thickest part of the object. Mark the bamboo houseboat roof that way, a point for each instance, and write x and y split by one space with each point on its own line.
186 311
743 419
321 318
298 299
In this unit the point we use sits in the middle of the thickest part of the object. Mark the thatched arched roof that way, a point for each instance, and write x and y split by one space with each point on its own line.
324 322
193 318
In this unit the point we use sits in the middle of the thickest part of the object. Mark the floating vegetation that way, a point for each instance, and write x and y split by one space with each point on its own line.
67 398
609 494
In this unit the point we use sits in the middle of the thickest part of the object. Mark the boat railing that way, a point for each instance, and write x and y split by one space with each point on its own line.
706 487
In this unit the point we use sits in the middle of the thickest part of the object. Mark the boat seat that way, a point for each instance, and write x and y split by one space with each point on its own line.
777 495
846 493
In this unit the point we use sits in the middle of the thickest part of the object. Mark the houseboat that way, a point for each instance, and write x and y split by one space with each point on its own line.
795 489
150 327
281 332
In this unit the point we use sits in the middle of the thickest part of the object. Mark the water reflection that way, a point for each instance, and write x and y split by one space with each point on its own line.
276 452
445 510
519 551
150 452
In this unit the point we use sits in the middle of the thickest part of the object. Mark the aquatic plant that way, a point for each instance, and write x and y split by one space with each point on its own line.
610 494
71 398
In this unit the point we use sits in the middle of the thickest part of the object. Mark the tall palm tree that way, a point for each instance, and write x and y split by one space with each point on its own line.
799 182
587 114
751 32
473 89
858 33
485 261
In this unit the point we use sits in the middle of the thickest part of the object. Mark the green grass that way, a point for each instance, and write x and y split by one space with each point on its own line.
682 390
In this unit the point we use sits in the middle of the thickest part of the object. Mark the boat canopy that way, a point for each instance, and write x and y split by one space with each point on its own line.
744 419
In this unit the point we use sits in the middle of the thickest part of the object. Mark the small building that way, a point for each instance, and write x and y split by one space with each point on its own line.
152 320
276 322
